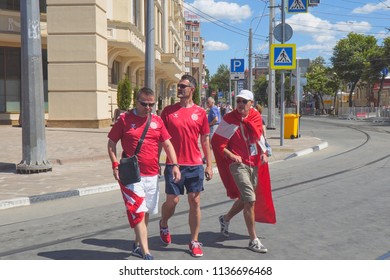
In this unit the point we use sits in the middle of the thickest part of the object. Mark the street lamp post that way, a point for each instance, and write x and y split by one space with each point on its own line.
33 118
250 78
271 73
250 58
282 81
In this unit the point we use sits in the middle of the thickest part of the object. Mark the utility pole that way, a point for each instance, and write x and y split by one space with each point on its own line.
250 60
297 94
33 117
271 73
149 46
282 82
230 90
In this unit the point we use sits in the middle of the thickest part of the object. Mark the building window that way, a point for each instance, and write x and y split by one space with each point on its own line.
195 39
10 79
195 60
115 73
195 49
14 5
187 37
136 12
188 27
195 28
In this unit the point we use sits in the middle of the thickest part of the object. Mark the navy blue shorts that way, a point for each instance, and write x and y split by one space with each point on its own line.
191 179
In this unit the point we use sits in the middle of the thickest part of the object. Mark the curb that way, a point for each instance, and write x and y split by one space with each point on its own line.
319 147
26 201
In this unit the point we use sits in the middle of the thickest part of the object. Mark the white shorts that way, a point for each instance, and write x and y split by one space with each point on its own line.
148 189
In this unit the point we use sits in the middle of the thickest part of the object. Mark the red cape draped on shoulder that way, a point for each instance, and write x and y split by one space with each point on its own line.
264 206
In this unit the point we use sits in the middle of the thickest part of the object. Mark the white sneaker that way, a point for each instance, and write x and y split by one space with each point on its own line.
256 246
224 226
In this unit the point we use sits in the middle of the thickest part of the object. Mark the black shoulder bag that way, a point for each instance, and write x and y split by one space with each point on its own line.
128 168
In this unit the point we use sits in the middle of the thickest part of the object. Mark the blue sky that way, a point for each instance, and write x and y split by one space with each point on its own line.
225 26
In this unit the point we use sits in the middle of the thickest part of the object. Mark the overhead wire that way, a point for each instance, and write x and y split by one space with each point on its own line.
245 33
220 23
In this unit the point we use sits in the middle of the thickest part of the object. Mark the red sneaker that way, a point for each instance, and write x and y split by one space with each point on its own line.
165 236
196 248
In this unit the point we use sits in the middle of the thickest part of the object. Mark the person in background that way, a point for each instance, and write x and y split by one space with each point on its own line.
228 108
223 110
141 199
242 165
260 109
214 117
186 122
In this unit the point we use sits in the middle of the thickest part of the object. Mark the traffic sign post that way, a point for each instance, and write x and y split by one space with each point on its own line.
237 69
283 56
297 6
283 30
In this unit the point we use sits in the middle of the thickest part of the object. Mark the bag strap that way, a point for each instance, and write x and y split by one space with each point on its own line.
141 140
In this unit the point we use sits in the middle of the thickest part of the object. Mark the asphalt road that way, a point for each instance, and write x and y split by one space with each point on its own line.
331 205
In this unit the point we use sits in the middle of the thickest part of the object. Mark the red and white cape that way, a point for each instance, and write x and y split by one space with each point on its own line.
264 207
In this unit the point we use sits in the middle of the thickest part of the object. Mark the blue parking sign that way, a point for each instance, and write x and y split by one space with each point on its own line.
237 65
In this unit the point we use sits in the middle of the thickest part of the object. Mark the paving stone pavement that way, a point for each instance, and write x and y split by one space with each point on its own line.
80 164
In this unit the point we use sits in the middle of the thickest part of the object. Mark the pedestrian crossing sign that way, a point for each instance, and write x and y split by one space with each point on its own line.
297 6
283 56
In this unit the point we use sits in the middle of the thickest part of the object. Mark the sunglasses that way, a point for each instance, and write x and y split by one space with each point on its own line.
146 104
243 101
182 86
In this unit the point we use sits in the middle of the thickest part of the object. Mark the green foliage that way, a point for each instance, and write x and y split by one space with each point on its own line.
317 77
196 96
260 90
321 80
220 80
124 94
134 99
351 58
173 101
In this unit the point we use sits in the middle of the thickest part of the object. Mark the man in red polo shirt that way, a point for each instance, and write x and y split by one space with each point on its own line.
141 198
186 122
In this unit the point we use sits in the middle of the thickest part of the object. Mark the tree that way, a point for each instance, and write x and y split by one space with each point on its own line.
317 81
135 92
124 94
351 58
220 80
333 84
379 61
196 96
260 90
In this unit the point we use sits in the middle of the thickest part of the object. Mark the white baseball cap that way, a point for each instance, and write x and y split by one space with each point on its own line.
245 94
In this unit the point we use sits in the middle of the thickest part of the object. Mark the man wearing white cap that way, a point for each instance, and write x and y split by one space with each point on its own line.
243 167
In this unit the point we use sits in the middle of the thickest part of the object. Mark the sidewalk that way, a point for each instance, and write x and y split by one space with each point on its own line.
81 165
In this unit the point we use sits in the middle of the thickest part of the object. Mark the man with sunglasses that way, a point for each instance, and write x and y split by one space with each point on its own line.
239 149
186 122
141 198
